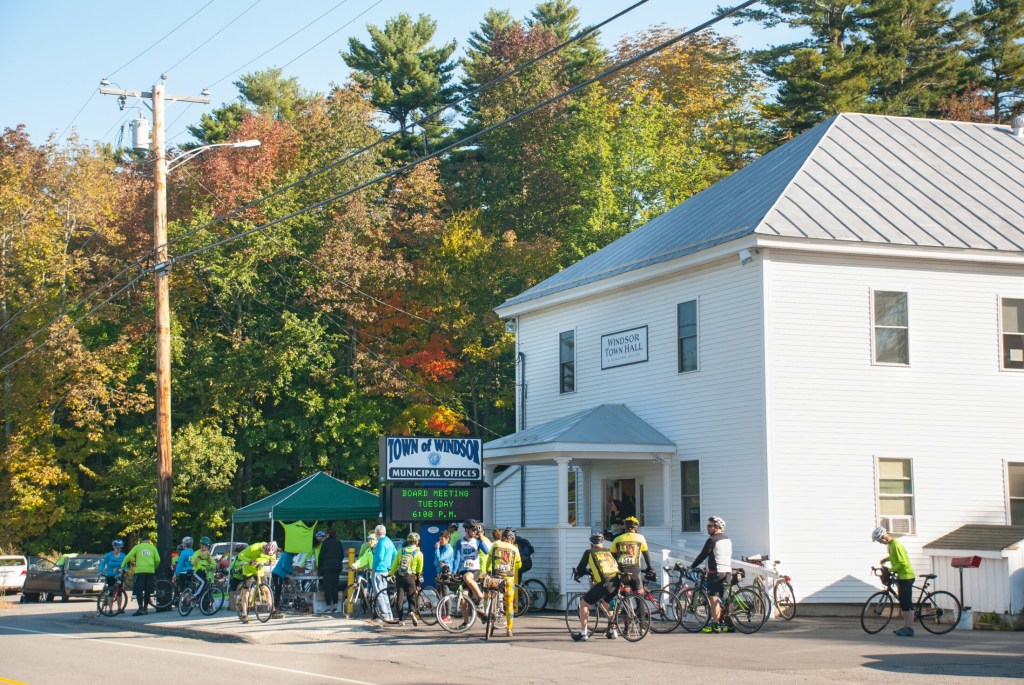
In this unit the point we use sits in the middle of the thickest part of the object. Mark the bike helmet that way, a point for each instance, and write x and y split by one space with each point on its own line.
270 548
717 522
118 543
508 533
597 539
371 536
413 538
877 533
320 535
205 541
470 524
186 541
631 522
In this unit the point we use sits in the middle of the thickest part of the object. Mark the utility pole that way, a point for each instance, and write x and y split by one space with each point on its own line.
161 268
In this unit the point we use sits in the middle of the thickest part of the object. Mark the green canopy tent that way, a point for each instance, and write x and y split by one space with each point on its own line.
319 496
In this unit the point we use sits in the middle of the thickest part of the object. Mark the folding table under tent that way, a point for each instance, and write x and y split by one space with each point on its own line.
316 497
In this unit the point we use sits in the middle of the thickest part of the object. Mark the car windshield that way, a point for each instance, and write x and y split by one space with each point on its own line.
86 564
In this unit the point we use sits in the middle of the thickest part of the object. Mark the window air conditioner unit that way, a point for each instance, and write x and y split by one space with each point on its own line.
898 525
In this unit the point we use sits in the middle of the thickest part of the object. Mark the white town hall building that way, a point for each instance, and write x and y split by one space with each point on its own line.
830 339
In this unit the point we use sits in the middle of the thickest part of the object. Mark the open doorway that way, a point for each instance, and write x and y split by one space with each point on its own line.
622 498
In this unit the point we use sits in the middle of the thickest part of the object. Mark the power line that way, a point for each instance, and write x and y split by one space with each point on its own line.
215 34
473 136
77 114
387 137
321 42
277 45
167 35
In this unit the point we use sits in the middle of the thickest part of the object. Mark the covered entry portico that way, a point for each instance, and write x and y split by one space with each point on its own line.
607 444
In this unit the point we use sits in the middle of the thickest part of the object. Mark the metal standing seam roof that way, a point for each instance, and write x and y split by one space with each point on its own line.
854 178
603 424
980 537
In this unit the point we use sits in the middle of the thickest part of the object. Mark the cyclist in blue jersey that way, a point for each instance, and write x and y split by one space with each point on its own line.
467 557
183 568
110 565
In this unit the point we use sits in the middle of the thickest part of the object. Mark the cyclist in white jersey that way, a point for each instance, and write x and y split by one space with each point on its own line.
467 557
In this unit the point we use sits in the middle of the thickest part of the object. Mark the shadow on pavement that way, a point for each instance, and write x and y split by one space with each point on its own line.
943 664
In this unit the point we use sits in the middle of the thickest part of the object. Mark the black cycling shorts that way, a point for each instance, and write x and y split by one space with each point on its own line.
632 578
905 592
600 591
716 584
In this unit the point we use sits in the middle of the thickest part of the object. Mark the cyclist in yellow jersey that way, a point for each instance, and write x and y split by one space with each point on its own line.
627 548
407 570
503 562
249 559
899 566
600 565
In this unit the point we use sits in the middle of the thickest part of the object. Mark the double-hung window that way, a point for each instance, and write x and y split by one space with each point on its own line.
1015 480
896 495
892 328
686 315
567 362
1013 333
689 487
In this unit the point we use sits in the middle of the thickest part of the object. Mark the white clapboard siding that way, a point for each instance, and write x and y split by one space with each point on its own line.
996 585
715 414
831 412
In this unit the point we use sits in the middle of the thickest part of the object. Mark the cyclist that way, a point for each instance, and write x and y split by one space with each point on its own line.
183 568
235 568
444 558
110 565
146 558
383 557
467 562
407 569
249 559
504 562
202 563
899 564
525 552
627 548
718 551
600 565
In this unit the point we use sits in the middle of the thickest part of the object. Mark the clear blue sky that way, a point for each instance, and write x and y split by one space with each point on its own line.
55 52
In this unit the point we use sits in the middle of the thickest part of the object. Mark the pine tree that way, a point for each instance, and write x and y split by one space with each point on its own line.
998 29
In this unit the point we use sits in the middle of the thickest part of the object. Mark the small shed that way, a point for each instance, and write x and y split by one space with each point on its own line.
997 585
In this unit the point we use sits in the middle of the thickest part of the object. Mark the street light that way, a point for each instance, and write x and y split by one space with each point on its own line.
196 151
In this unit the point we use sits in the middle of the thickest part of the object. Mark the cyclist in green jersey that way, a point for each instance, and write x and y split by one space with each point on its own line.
899 566
600 565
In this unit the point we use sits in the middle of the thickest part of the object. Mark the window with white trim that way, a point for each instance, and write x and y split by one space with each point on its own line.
1013 333
896 495
567 362
686 316
689 488
892 328
1015 481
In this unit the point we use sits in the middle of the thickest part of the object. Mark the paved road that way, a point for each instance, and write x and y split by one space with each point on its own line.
41 644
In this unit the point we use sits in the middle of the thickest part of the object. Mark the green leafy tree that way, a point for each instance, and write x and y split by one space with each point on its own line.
997 49
404 76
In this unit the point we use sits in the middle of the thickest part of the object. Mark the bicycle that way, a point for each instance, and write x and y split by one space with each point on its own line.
628 614
493 603
113 598
200 593
357 597
743 608
938 611
426 603
456 612
260 600
782 595
694 604
538 593
665 608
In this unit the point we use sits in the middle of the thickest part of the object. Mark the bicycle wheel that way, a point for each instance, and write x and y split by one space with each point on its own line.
695 610
358 597
385 597
665 610
185 602
939 612
523 599
572 616
263 602
456 613
632 617
490 616
427 604
748 609
212 600
538 594
877 612
110 603
785 600
163 595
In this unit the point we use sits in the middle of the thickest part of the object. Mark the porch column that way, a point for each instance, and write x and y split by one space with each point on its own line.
563 490
584 515
489 494
666 491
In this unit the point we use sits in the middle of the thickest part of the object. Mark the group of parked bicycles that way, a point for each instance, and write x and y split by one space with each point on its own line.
209 596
